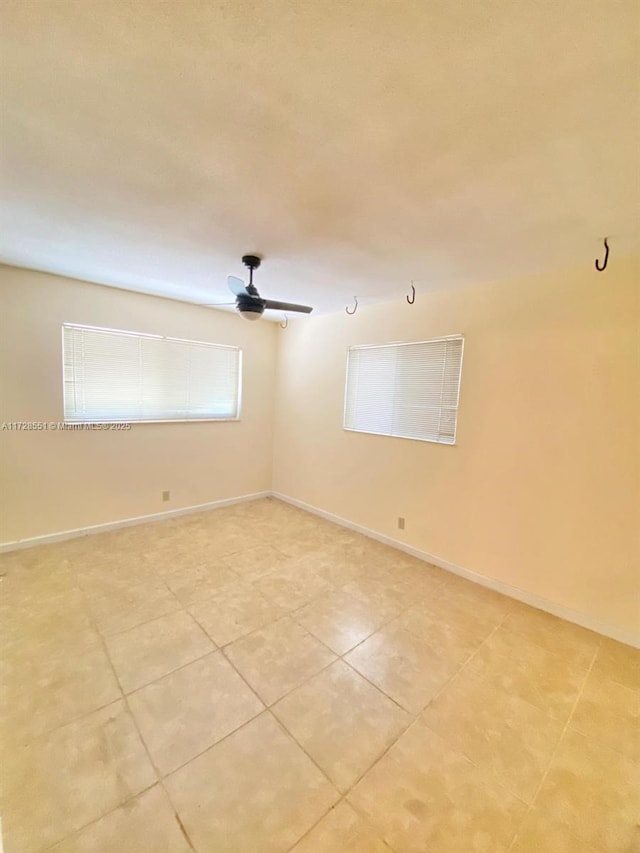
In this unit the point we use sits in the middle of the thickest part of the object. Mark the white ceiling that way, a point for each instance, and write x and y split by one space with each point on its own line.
356 144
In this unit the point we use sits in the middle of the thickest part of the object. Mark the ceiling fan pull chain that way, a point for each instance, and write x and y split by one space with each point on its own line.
355 307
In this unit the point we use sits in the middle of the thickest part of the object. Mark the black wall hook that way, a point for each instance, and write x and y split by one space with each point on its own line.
355 307
286 322
606 258
413 295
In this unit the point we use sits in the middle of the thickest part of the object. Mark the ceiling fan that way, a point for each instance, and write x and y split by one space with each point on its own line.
249 303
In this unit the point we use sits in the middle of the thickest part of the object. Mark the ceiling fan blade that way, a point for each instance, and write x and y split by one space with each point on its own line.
287 306
236 285
215 304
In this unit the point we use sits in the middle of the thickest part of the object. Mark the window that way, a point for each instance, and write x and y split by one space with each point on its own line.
405 390
123 376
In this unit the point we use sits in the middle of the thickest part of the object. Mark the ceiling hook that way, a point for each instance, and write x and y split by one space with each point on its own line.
413 295
286 322
355 307
606 258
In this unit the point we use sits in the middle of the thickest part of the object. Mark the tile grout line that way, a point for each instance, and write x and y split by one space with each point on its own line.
342 795
444 685
378 688
557 656
267 709
211 651
101 643
342 800
123 699
77 719
76 832
465 663
291 616
554 752
159 776
337 657
410 726
291 737
181 607
269 705
163 777
102 633
529 805
416 716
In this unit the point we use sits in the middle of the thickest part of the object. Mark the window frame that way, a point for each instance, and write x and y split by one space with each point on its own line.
150 335
456 337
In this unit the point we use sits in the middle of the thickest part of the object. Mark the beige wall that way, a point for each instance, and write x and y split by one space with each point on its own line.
541 490
56 481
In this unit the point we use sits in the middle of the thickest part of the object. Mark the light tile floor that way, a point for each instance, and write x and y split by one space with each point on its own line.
255 680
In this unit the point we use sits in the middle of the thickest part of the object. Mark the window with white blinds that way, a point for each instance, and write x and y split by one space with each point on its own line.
407 390
115 376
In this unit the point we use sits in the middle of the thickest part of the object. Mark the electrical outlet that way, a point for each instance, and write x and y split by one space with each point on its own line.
166 495
400 523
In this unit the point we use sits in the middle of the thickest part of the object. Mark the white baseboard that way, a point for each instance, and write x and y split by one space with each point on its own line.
582 619
17 544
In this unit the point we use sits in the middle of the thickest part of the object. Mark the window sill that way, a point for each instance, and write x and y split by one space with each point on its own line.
165 421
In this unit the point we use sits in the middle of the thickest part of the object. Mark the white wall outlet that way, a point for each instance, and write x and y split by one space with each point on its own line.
166 495
400 523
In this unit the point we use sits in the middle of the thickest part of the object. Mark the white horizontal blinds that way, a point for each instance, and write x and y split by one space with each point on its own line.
122 376
220 398
101 375
370 389
451 376
405 390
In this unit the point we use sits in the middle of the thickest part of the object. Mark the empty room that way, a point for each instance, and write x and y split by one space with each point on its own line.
320 426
